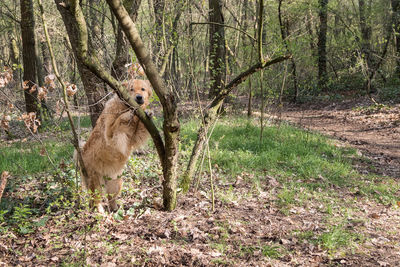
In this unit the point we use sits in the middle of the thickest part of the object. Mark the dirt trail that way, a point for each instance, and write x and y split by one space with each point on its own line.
372 130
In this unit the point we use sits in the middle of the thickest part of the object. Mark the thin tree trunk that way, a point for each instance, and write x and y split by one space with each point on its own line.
396 29
28 49
159 7
118 69
284 35
14 56
365 44
323 29
217 48
260 25
48 68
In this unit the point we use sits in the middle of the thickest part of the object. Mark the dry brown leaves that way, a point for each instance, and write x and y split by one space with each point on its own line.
30 120
136 70
71 89
6 76
4 122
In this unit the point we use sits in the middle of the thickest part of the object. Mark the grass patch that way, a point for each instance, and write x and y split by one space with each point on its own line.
337 237
297 158
235 146
28 157
63 124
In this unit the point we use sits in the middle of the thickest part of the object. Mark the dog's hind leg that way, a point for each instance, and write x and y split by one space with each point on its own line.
113 188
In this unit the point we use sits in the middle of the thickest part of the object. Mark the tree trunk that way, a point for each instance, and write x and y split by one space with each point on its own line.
14 56
93 86
323 29
118 69
28 54
365 36
159 7
217 48
48 68
284 34
396 29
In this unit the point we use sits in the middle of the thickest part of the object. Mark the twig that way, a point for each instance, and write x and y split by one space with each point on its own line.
226 26
4 176
211 180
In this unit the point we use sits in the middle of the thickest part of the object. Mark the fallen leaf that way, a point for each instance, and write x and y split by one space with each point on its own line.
374 216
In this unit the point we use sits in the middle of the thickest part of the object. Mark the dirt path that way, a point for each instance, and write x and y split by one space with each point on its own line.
372 130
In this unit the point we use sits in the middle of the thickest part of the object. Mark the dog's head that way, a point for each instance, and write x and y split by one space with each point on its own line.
140 90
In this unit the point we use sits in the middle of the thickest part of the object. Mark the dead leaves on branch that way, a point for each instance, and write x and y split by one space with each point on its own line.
49 86
4 122
49 81
6 76
71 89
135 70
30 120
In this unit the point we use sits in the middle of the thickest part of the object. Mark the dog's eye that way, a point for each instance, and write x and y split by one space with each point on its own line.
143 89
132 89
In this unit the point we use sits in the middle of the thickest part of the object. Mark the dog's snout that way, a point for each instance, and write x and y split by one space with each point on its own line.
139 99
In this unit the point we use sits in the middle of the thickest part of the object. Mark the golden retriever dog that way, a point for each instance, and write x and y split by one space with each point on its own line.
117 133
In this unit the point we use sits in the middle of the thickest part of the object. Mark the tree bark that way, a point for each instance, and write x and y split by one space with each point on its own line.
14 56
28 54
323 29
48 68
93 86
365 36
217 51
159 7
396 30
118 69
284 35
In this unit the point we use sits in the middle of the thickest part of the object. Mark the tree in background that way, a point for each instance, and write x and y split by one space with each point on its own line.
396 30
217 52
322 35
28 55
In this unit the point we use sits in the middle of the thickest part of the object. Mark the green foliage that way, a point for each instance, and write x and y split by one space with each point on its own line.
29 157
235 146
337 237
390 91
21 217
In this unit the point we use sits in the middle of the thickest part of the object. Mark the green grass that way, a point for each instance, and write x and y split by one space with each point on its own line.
25 157
235 146
29 157
297 158
63 125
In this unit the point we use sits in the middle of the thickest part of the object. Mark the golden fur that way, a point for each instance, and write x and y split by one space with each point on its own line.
117 133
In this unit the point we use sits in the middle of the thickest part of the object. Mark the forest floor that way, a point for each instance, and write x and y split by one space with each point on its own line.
372 129
298 200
